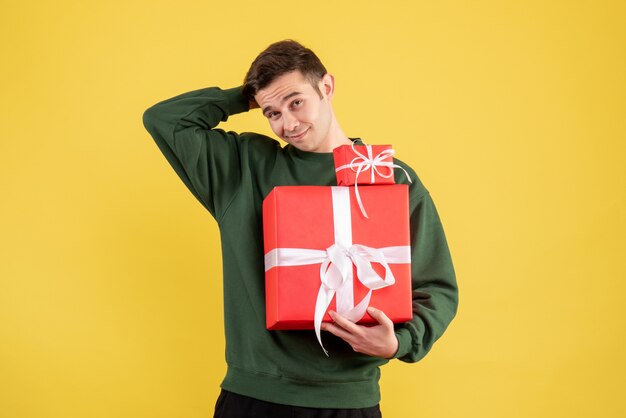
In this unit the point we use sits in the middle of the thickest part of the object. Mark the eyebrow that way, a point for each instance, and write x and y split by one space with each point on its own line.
284 99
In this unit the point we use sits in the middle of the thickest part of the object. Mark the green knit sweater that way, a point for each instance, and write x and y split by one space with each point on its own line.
230 174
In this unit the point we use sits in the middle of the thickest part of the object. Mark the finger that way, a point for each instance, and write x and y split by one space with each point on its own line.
379 316
344 323
337 331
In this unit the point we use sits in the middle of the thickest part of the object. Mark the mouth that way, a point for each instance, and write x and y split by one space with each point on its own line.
299 136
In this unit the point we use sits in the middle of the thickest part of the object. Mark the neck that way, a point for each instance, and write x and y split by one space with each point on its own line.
336 137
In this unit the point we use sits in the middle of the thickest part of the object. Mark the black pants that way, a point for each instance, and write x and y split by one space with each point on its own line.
232 405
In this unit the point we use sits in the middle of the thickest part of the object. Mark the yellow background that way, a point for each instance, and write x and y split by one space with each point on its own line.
512 113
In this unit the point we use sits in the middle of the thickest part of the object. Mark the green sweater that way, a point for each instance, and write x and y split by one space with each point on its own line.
230 174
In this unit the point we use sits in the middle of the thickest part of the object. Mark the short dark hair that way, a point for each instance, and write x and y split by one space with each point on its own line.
280 58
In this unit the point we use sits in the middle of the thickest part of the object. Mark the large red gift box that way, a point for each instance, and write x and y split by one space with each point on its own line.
305 226
363 164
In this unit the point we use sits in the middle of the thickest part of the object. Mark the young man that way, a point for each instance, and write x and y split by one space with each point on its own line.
285 373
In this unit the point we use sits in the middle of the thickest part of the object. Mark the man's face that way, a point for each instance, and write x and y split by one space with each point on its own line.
296 112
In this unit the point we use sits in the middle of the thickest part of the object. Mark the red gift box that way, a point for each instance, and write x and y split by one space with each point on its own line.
364 164
319 249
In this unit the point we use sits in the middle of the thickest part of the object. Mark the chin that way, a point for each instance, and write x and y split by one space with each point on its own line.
301 145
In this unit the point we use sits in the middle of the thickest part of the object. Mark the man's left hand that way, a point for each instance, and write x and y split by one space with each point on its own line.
378 340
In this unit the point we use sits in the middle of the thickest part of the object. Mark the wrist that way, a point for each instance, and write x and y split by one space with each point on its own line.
393 348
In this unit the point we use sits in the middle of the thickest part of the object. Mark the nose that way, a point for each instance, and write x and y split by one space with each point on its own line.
290 123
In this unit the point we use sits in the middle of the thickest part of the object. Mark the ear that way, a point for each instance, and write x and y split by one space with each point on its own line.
327 85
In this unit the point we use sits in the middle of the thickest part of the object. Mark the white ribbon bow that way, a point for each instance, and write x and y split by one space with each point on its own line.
336 265
363 163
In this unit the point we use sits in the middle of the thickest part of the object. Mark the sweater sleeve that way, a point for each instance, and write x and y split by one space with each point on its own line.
435 292
205 158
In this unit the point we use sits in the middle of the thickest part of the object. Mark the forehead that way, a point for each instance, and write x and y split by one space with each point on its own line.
284 85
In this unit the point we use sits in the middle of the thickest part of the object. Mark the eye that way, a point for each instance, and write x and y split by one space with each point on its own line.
297 103
271 115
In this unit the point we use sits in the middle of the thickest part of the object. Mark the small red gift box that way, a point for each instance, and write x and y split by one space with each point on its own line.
363 164
321 253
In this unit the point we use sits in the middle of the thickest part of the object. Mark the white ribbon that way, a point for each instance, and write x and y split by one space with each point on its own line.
336 265
363 163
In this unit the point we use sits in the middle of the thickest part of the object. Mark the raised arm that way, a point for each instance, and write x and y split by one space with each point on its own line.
207 159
